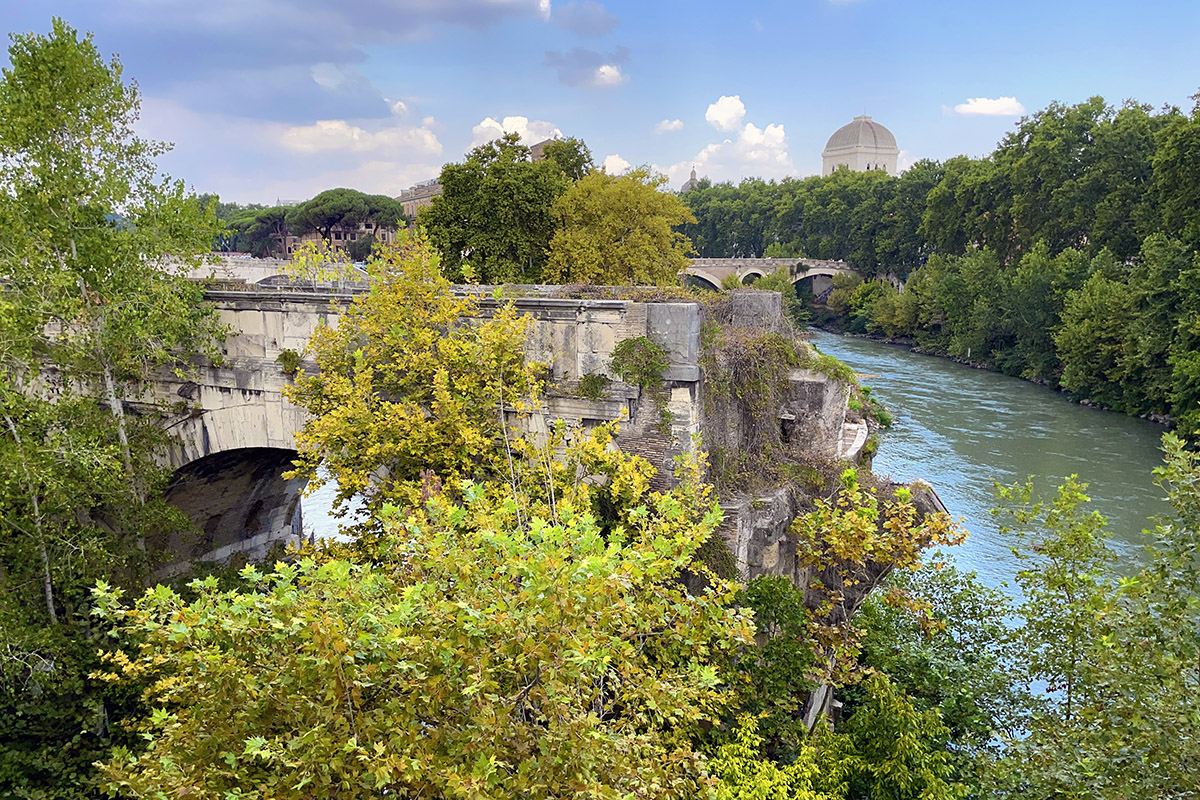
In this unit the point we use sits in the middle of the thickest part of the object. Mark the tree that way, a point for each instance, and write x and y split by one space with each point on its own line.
263 232
618 230
473 655
941 638
93 249
330 209
852 541
406 384
1111 657
744 772
493 223
571 156
228 215
1093 339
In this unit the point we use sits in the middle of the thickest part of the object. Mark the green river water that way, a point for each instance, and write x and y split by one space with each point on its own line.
963 430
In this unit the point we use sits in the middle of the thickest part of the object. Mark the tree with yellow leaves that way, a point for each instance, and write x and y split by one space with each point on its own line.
618 230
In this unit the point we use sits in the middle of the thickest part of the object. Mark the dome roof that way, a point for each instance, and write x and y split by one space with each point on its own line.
862 131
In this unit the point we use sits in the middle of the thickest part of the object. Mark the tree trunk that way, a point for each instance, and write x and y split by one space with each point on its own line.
47 580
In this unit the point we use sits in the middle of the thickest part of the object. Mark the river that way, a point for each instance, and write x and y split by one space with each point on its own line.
963 430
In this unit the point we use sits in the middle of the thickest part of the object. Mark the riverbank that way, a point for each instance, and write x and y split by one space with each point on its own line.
1164 420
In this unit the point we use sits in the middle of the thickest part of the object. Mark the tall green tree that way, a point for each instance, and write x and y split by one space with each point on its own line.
1113 655
93 247
493 221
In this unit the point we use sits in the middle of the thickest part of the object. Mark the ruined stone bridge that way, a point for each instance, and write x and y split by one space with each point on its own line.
237 437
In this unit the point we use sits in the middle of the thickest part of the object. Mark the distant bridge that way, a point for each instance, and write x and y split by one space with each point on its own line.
709 273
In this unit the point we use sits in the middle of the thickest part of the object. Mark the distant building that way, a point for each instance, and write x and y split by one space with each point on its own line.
692 183
342 236
861 146
418 196
537 152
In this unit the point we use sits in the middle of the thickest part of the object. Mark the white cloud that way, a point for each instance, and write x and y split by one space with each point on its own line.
242 159
608 75
669 126
339 135
726 114
530 131
992 107
752 152
614 164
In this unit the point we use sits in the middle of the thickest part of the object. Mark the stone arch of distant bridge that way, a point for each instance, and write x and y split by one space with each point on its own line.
712 272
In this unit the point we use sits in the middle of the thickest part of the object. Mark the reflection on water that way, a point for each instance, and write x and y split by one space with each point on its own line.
963 430
317 508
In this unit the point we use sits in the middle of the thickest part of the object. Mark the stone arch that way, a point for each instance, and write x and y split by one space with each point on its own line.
239 502
702 279
818 283
750 275
232 446
227 418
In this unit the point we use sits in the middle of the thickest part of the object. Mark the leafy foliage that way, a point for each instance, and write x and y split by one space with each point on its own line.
641 361
852 541
261 232
93 246
404 386
493 221
618 230
470 657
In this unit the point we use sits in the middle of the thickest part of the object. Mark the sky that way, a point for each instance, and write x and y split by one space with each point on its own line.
276 100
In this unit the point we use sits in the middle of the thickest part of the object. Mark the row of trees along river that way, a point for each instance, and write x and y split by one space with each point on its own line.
1067 256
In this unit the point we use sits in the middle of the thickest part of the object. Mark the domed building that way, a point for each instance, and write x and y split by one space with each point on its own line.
861 146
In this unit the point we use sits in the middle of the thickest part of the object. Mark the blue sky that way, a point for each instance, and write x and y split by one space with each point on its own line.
279 99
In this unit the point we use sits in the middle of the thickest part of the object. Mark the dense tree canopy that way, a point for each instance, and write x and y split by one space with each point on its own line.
493 221
618 230
262 232
344 208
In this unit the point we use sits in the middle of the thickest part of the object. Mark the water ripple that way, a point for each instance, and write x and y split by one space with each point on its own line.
963 430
